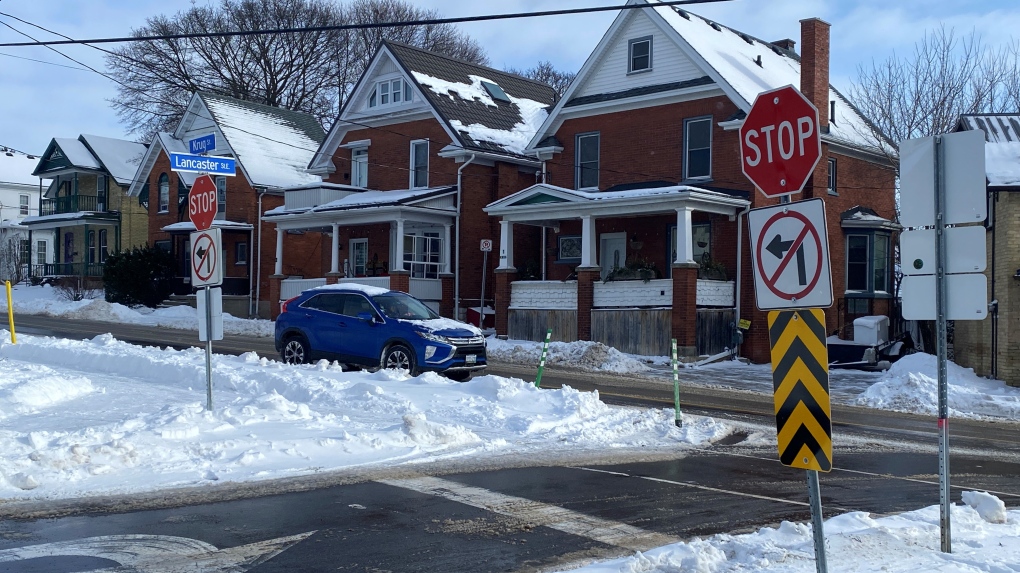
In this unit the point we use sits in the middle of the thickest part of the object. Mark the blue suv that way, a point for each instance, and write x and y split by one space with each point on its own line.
376 328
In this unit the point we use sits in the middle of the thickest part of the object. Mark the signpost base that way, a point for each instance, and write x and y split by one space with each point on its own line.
815 495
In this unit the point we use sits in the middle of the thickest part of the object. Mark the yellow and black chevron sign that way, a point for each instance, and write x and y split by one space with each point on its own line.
800 378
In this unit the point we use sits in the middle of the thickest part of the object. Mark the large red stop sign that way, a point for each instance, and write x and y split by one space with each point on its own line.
780 144
202 202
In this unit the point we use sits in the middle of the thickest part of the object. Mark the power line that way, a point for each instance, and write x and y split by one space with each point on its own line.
365 26
43 62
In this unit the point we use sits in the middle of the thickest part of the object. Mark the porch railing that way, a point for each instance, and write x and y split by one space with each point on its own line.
555 295
71 204
423 289
74 269
290 288
552 295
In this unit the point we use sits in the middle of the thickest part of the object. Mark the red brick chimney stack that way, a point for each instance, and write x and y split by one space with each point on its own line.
814 66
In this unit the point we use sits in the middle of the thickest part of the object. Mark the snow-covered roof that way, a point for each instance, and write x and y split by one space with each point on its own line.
273 145
368 199
866 218
733 56
16 169
188 226
480 121
119 156
1002 146
76 152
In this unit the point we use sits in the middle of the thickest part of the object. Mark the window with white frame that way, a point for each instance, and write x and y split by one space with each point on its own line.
24 252
359 167
23 204
587 161
40 252
104 246
164 193
832 176
221 198
101 193
639 55
868 259
423 254
359 257
419 164
698 148
91 239
390 92
241 253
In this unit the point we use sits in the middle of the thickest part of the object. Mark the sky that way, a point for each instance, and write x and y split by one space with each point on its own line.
41 101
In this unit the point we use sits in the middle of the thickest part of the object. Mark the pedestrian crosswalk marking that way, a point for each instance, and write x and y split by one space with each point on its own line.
800 379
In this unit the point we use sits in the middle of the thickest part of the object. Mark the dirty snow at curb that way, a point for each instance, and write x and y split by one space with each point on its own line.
911 385
80 418
854 541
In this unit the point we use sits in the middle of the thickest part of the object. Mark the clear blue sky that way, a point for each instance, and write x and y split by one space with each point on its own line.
40 101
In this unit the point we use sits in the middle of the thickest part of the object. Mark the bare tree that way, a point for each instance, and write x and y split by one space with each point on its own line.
925 94
546 73
309 71
13 266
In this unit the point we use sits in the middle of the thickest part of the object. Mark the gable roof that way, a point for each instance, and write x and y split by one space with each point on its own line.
1002 145
729 59
118 157
161 141
273 145
16 169
454 89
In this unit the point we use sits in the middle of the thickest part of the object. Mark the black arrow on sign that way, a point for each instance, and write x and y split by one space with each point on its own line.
777 246
201 257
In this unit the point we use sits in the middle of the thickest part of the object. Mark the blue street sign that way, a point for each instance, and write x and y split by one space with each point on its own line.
202 164
203 144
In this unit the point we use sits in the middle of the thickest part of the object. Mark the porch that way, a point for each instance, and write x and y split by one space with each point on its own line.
632 316
617 241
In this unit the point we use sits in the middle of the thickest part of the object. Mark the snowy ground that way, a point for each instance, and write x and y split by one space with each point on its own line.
984 539
909 386
80 418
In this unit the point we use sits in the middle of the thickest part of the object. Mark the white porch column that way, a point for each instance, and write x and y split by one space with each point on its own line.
684 239
506 245
398 248
588 241
447 248
334 260
278 269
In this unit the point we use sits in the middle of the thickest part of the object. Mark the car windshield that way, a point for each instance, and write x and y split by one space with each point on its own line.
400 305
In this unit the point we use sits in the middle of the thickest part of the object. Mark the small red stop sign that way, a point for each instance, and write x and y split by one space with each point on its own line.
780 143
202 202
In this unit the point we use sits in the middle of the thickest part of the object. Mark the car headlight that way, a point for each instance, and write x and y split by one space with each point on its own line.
433 337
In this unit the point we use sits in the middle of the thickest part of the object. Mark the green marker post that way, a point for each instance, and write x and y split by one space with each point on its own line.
541 362
678 420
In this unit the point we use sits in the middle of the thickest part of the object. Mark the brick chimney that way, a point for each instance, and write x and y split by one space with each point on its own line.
814 66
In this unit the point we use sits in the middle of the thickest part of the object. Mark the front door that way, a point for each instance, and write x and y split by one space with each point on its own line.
612 252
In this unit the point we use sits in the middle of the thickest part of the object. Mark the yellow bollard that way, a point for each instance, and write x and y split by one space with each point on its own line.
10 313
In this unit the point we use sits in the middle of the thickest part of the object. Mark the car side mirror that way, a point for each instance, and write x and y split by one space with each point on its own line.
367 317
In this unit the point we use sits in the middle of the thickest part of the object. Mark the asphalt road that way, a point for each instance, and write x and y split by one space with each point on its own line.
493 516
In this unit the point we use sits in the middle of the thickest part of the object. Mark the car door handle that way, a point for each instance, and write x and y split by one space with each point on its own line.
342 324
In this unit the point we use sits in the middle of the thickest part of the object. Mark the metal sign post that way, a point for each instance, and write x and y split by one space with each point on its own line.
486 247
208 348
941 345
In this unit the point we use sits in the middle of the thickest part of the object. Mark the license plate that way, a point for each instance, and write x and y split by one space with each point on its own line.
471 358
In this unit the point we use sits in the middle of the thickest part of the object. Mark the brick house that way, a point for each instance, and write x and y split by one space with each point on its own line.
272 146
992 347
645 143
422 144
86 205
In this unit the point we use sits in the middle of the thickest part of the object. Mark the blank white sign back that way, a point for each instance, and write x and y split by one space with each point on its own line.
966 297
963 173
965 250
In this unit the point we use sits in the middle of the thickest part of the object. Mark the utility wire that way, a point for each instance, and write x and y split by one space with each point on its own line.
43 62
365 26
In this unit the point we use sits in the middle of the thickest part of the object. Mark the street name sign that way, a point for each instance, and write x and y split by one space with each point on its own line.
790 256
203 144
203 164
202 202
780 142
206 267
800 379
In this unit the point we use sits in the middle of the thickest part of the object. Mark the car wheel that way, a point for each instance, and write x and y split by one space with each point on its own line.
458 375
400 357
295 351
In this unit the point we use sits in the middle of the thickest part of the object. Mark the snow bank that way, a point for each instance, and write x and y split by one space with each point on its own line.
103 416
854 541
911 385
591 356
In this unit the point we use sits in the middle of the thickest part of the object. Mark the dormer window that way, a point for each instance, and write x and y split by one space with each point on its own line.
390 92
640 55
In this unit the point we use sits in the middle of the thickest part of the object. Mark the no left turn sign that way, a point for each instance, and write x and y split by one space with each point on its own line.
206 269
790 253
